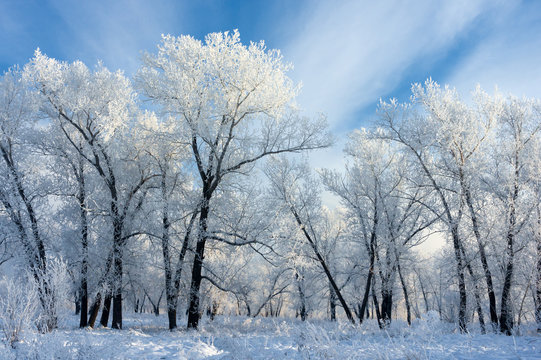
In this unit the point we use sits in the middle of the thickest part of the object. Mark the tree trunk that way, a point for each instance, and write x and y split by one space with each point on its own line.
84 245
325 268
117 273
193 307
169 290
332 303
376 306
302 307
423 292
77 303
482 256
94 309
405 291
475 294
506 316
106 309
461 279
372 254
386 306
453 225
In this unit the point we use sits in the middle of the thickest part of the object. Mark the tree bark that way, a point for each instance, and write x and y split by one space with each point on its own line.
376 306
372 254
386 306
302 307
84 247
106 309
482 255
332 303
404 290
94 309
479 308
118 245
195 285
506 316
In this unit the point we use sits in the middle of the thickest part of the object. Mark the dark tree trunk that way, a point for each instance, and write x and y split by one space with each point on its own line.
506 315
84 245
94 309
84 300
479 308
195 285
169 290
405 291
214 309
425 298
453 226
386 306
106 309
325 268
77 303
332 303
483 257
302 306
372 253
461 280
172 285
376 307
117 273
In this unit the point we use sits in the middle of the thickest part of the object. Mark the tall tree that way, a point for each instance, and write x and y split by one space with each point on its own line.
18 113
462 135
232 104
96 109
414 130
518 125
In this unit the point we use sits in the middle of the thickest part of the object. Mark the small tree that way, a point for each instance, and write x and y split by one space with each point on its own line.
18 309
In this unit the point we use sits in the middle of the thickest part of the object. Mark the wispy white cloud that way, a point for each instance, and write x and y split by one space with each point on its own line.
351 53
510 59
114 32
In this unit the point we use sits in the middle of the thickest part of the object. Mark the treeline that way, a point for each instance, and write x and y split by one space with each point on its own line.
179 189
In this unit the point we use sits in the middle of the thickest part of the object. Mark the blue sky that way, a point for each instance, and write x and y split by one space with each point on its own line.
347 54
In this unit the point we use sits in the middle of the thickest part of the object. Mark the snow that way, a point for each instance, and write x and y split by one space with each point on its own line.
145 337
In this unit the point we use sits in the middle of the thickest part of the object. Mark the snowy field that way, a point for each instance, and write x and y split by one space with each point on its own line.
145 337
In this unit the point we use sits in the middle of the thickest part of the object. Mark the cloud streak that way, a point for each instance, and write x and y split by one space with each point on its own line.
348 55
508 59
114 32
351 54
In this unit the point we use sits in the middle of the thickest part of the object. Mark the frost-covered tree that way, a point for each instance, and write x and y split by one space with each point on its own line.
95 110
462 133
232 103
513 159
21 196
298 193
385 210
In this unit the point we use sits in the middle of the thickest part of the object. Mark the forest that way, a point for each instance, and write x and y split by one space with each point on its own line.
187 191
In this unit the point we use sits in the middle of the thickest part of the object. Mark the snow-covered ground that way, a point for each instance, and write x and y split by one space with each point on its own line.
145 337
